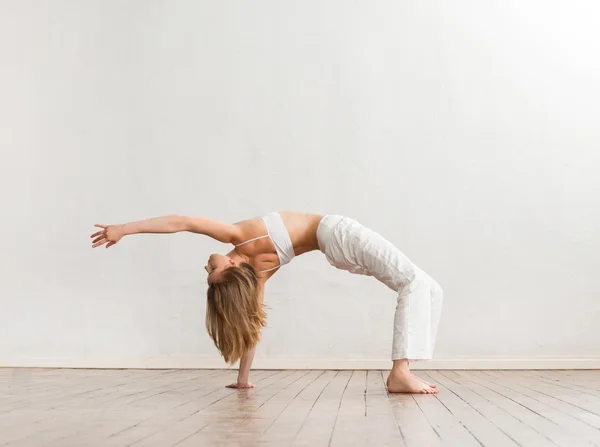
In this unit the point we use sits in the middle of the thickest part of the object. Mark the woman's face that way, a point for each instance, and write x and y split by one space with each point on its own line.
216 265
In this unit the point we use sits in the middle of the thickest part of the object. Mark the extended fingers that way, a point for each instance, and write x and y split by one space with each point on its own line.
99 238
100 242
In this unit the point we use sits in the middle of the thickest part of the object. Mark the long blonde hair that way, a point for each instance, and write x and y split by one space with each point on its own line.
235 314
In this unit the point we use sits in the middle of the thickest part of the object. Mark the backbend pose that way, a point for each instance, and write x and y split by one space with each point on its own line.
235 313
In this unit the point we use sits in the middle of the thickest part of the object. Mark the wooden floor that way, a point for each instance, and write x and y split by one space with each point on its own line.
60 408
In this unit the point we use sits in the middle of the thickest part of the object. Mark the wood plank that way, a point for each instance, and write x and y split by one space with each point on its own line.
550 408
240 420
92 418
287 424
522 386
351 426
541 418
383 429
480 399
189 419
449 428
416 429
151 418
318 426
254 427
82 416
482 428
580 384
581 399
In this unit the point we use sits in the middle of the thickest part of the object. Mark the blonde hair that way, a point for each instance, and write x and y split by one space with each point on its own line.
235 314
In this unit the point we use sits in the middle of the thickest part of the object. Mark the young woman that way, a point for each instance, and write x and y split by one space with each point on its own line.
234 311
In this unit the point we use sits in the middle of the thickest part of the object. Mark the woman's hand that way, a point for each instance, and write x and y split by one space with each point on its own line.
109 235
241 385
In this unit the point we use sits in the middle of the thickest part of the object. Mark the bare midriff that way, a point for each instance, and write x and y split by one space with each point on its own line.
302 228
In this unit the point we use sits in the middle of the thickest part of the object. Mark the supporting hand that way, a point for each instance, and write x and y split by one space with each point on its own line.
241 385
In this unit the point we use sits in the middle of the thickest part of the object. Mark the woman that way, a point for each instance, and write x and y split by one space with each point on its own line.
235 312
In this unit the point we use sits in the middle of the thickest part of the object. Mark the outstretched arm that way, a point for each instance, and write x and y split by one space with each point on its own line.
111 234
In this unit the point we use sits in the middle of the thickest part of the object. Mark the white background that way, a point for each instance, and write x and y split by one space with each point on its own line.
465 132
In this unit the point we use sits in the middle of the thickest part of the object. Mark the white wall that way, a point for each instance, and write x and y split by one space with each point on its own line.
466 132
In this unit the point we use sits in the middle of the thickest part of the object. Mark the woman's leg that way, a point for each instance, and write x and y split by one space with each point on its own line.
350 246
415 330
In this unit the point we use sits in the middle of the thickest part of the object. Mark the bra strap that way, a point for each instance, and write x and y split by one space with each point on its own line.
252 240
268 270
255 239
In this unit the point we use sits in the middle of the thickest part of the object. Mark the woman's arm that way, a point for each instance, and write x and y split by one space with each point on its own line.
243 380
111 234
244 372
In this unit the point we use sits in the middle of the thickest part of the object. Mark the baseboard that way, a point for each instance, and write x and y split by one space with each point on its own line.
335 364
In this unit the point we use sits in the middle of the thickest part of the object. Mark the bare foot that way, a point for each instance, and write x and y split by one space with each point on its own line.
432 385
407 383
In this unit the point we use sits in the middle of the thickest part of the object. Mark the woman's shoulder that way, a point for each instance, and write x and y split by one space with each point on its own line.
249 229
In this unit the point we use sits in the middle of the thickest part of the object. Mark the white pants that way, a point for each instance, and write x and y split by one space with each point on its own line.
350 246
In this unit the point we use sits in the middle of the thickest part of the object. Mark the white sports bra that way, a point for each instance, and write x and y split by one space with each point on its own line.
280 237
